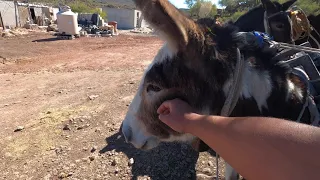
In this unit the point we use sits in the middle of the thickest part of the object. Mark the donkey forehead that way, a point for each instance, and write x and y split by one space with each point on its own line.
164 56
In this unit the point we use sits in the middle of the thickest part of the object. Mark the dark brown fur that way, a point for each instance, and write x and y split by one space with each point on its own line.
205 58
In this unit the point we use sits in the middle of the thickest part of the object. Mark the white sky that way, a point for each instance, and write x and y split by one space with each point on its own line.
180 3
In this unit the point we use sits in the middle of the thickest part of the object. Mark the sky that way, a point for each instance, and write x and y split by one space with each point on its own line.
180 3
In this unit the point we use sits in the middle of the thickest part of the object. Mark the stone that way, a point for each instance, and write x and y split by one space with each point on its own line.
53 27
8 155
207 171
210 163
92 97
92 158
19 128
131 162
63 175
116 170
66 127
115 161
204 177
94 148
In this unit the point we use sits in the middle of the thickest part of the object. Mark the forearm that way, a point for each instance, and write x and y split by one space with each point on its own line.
263 148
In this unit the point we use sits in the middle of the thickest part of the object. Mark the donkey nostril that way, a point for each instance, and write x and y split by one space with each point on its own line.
127 133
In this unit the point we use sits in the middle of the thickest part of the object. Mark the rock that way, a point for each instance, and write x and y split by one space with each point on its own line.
31 26
94 148
115 161
92 97
116 170
53 27
210 163
98 130
19 128
92 158
47 177
66 127
8 155
204 177
207 171
63 175
131 162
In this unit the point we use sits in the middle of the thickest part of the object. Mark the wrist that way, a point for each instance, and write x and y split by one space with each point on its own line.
194 121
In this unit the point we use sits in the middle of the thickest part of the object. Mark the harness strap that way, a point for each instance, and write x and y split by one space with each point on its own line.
314 112
309 104
233 95
266 23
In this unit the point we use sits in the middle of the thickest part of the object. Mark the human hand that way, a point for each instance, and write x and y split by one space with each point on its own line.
177 114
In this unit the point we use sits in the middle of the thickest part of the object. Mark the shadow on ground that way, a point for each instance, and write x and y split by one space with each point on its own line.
46 40
168 161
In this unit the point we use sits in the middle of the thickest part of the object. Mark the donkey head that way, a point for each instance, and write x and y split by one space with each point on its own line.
277 20
193 66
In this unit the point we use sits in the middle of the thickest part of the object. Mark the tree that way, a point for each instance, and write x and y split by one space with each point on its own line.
81 7
308 6
203 9
190 3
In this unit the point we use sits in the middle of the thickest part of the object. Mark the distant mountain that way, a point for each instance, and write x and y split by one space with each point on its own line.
117 3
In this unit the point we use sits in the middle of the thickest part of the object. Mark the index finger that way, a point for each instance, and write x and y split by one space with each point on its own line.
164 108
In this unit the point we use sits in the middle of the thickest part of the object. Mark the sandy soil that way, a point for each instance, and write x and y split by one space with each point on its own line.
69 97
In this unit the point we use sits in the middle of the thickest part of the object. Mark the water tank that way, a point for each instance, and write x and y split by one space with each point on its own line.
67 21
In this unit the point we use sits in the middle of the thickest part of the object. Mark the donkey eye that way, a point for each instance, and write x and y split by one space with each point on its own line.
153 88
280 25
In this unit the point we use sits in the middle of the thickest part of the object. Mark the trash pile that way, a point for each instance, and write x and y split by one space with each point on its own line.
143 30
94 25
95 31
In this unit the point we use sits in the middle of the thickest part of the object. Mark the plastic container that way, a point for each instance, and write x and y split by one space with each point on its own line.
67 21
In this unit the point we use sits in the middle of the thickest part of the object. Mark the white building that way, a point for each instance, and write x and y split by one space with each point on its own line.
126 18
124 13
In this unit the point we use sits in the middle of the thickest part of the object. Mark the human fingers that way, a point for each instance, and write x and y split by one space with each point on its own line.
164 108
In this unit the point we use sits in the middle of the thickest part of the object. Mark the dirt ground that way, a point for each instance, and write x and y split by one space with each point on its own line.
69 97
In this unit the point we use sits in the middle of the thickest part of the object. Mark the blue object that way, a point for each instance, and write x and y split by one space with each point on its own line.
261 37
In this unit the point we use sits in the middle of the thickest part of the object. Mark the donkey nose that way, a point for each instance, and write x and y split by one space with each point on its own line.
127 133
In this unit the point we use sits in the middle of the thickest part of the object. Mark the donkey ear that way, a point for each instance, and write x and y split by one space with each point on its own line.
268 5
286 5
172 25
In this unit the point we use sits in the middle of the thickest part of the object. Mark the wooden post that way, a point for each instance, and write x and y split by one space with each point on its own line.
2 23
15 12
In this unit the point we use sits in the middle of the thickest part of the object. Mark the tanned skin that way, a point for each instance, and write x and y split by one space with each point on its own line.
261 148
